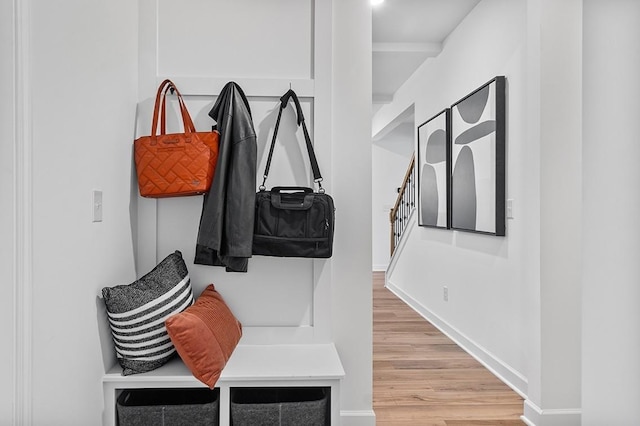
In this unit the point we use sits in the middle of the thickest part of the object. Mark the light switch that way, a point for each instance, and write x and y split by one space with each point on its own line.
97 205
509 209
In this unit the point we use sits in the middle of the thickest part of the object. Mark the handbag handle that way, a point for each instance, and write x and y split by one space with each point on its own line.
159 110
278 189
184 112
284 101
302 202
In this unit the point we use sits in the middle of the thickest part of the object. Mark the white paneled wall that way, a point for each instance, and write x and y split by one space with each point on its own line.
91 69
257 296
239 39
201 45
322 50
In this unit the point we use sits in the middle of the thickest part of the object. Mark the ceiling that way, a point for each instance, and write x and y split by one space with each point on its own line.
405 34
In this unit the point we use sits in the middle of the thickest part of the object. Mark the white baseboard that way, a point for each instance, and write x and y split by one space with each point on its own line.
358 418
380 268
536 416
504 372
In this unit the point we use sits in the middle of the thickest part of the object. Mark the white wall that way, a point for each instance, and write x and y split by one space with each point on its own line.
82 81
351 160
611 271
485 275
554 365
7 209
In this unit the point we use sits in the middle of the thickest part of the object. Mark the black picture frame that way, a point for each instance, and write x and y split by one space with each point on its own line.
433 170
477 172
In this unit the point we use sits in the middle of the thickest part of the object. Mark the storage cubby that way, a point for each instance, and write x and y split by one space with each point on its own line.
309 406
165 407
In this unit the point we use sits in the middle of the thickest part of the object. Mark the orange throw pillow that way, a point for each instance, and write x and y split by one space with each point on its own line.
205 335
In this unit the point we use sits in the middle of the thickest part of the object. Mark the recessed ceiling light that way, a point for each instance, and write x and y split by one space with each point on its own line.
376 2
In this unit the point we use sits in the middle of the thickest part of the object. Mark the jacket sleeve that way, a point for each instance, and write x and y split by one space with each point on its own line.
225 236
241 189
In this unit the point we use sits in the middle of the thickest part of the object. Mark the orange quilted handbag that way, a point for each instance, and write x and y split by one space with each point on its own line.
175 164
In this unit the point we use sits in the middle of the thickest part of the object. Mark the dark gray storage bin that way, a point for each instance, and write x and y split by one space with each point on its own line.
280 407
168 407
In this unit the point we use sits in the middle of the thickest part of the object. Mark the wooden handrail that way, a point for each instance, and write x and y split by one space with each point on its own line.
393 214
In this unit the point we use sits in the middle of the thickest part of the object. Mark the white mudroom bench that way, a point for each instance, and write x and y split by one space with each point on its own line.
250 365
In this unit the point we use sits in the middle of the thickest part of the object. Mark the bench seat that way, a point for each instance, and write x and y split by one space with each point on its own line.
282 365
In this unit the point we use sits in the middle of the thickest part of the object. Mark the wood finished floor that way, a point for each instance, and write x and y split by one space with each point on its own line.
422 378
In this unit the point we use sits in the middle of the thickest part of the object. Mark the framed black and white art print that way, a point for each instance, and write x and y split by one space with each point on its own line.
433 171
478 160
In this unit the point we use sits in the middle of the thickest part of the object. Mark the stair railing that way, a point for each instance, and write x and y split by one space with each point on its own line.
405 204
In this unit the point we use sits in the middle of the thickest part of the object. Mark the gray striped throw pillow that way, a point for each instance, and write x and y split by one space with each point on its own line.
137 313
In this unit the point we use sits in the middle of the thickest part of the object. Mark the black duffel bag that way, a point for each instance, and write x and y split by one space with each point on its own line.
293 221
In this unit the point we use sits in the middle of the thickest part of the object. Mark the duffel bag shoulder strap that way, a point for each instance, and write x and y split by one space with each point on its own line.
284 101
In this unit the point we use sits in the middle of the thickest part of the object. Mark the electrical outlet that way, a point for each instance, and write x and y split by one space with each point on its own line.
97 205
445 293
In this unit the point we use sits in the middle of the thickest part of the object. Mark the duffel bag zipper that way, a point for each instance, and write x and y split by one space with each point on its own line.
326 232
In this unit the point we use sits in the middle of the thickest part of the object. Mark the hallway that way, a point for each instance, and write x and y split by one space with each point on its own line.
420 377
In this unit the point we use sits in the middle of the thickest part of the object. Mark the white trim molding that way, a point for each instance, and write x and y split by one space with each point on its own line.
23 215
536 416
357 418
382 267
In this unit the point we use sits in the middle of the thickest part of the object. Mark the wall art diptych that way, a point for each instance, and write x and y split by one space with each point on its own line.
478 160
433 167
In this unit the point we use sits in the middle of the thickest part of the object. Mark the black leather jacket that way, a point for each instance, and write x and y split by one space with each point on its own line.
225 236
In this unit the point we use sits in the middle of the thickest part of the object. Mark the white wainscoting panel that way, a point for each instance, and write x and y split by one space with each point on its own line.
278 299
194 38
